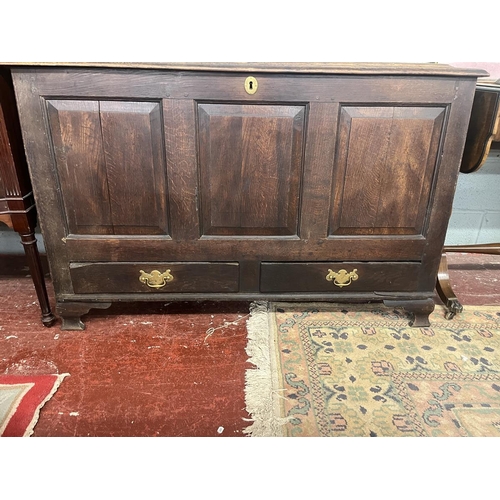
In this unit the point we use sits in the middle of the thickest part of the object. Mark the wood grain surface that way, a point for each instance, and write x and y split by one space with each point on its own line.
179 164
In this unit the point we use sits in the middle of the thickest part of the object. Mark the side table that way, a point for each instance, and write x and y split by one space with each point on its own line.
482 135
17 206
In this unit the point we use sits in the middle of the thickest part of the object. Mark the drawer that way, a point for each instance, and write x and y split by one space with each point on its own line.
155 277
338 277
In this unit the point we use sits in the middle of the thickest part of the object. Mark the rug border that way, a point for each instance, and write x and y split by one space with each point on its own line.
57 379
19 400
267 411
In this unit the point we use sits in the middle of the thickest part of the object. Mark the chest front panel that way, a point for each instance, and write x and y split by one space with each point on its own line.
250 161
115 158
181 167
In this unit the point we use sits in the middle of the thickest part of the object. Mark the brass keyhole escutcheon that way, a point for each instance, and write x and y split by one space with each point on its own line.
251 85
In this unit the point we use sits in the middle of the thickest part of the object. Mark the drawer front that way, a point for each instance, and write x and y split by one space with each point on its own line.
155 277
338 277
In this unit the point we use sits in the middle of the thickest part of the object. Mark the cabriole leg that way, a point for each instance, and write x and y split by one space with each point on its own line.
445 291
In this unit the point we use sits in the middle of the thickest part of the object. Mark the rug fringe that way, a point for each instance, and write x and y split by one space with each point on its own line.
30 429
261 394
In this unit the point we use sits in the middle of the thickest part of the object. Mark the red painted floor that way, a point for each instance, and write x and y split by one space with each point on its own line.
137 370
156 369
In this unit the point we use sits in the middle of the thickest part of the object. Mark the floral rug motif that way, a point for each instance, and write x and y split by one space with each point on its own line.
360 370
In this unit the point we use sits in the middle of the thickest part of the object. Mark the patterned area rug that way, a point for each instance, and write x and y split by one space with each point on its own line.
21 399
360 370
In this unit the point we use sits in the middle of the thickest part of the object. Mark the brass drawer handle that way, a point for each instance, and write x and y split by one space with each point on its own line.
155 279
342 278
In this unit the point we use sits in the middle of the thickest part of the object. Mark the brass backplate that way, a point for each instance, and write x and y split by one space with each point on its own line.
156 279
342 278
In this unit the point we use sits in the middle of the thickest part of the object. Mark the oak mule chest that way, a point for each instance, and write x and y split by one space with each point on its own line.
324 182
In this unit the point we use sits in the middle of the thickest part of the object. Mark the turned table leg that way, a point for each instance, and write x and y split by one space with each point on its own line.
35 267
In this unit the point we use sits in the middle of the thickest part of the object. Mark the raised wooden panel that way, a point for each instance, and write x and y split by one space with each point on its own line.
250 168
384 166
110 162
77 140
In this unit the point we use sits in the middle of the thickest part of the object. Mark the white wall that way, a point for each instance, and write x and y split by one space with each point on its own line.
476 208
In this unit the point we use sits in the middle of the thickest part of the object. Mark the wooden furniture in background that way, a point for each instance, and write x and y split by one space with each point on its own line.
300 182
484 127
482 134
17 206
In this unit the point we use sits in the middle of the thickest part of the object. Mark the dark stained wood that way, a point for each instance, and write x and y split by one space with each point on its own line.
264 248
250 168
445 291
483 130
14 181
315 168
182 167
17 208
386 158
484 127
280 67
249 276
133 149
124 277
317 187
78 151
439 212
39 154
72 312
29 243
486 248
113 152
421 310
151 85
443 283
311 277
360 297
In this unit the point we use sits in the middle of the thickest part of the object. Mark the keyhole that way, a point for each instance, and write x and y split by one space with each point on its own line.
251 85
